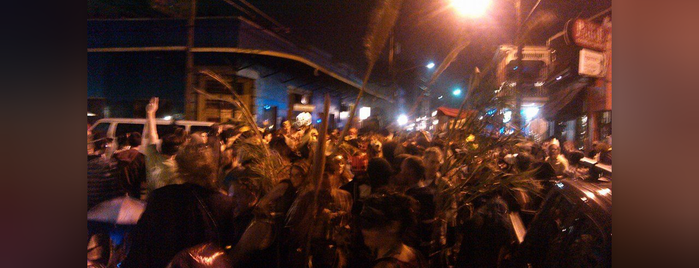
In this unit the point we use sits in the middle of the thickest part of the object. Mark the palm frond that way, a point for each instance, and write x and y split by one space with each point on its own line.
381 24
318 165
252 151
470 163
262 161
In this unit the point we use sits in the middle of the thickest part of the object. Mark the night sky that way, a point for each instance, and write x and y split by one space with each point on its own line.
425 31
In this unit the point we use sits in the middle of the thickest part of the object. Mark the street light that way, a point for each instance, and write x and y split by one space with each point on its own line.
471 8
364 113
429 65
456 92
402 119
530 112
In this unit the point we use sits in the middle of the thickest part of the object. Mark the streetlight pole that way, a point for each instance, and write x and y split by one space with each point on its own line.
190 97
517 113
519 42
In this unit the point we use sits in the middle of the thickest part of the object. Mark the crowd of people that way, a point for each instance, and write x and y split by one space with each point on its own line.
376 204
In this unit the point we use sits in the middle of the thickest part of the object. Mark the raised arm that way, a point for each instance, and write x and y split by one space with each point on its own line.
151 135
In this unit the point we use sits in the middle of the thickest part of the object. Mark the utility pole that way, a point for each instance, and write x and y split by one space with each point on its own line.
517 113
190 96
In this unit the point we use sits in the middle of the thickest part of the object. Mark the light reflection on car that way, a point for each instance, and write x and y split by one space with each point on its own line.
572 229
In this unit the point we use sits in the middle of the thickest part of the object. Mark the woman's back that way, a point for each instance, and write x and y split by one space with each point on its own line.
178 217
485 235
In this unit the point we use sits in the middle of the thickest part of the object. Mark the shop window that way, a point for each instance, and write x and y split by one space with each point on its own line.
581 132
299 101
219 104
269 116
605 125
219 107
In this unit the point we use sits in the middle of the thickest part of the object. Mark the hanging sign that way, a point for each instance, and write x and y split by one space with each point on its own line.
591 63
587 34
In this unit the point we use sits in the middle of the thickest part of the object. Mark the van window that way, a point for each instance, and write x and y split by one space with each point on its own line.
101 128
195 129
123 128
167 129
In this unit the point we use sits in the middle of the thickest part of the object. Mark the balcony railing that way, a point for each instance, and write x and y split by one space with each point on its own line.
526 91
535 92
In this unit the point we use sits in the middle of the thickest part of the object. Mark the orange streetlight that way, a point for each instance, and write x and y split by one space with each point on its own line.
471 8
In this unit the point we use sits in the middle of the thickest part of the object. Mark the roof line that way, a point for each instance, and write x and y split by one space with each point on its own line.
135 49
241 51
160 19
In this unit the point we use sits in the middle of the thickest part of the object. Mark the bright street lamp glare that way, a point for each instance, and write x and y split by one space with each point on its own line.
430 65
456 92
402 119
471 8
530 112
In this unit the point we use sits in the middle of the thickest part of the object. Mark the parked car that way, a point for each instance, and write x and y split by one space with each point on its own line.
573 228
115 127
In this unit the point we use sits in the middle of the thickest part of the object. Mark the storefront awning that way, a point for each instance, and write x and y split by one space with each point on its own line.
554 108
452 112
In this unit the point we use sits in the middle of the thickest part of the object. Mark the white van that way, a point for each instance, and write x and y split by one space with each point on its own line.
115 127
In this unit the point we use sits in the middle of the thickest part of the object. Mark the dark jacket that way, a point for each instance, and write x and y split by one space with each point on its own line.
132 166
175 220
426 215
484 236
102 180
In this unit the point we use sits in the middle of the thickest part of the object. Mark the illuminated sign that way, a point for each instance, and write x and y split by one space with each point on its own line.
591 63
588 34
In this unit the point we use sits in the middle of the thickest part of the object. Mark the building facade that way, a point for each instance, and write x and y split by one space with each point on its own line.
580 80
525 85
131 60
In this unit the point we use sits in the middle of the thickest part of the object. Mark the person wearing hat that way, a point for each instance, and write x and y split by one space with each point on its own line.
556 159
321 214
385 222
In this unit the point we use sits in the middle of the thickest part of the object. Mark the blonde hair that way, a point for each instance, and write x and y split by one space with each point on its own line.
195 164
433 151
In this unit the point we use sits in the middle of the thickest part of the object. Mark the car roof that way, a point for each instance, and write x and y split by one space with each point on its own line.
593 199
594 194
157 121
